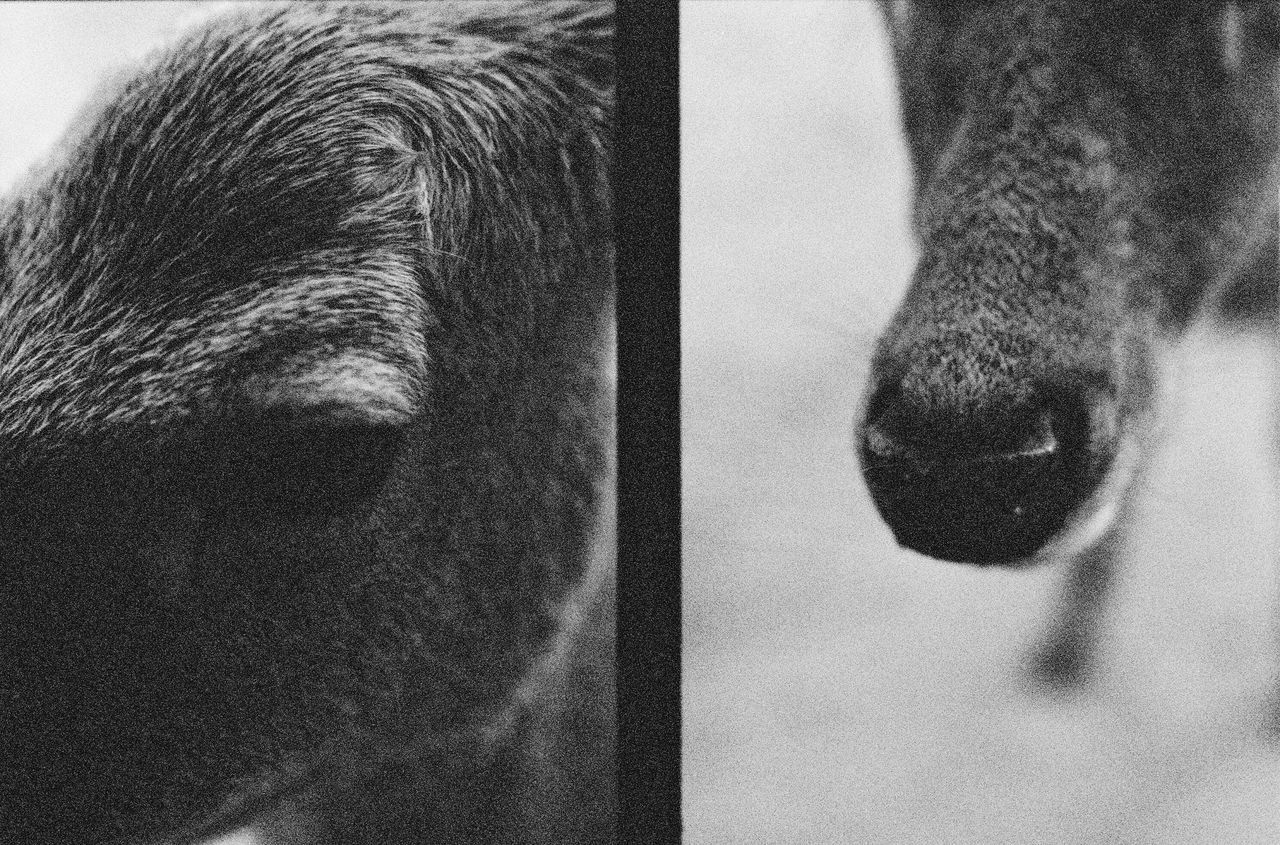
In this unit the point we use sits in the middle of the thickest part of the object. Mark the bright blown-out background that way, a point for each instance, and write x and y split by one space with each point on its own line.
837 688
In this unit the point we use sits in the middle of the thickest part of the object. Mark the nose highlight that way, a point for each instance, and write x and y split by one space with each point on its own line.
987 481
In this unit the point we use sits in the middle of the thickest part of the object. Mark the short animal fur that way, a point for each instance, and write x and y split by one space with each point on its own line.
1090 176
304 435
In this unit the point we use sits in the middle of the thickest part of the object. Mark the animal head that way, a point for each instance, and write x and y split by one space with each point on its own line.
300 426
1087 174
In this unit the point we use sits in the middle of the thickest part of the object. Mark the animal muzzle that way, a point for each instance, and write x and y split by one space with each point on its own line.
989 480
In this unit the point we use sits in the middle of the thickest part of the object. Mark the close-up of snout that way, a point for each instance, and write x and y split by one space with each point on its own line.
978 432
985 474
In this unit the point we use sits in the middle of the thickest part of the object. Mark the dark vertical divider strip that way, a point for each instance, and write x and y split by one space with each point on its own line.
647 168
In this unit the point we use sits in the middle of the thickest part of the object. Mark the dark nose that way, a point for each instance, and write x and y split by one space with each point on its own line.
987 481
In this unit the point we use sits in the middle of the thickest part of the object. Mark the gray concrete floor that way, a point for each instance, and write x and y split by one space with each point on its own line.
837 688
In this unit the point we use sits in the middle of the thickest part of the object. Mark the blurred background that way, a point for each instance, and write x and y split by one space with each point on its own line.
54 54
837 688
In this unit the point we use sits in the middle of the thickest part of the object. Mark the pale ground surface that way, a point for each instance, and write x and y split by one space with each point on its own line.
836 688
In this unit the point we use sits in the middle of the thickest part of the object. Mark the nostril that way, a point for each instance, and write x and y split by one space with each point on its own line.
887 427
989 482
879 444
896 430
1040 440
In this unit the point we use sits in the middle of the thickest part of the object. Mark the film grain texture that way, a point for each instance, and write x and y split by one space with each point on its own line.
304 423
838 688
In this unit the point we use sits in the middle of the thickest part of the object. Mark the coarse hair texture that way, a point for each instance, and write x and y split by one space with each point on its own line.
1090 177
304 431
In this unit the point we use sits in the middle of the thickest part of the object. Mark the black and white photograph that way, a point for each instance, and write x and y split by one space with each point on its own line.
978 422
334 465
306 423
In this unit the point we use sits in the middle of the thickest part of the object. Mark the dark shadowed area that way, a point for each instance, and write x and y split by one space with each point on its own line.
837 688
53 56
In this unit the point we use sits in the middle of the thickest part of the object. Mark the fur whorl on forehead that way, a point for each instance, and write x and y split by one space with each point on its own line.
299 183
